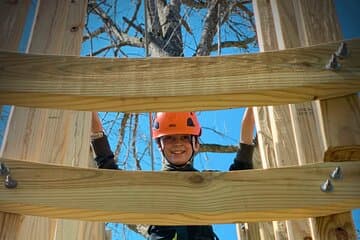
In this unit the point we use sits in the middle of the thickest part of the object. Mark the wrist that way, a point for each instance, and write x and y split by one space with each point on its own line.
97 135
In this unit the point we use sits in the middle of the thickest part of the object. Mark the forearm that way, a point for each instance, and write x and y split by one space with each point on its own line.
243 158
247 127
104 156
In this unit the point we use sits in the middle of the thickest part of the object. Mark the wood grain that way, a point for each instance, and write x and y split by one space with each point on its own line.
56 135
169 84
302 23
12 21
179 198
340 118
278 126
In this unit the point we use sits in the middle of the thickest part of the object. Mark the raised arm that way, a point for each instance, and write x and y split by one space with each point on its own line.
96 125
104 156
247 127
243 159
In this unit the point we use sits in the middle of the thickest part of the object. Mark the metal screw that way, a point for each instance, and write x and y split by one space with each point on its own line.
342 51
10 182
333 63
326 186
336 174
3 170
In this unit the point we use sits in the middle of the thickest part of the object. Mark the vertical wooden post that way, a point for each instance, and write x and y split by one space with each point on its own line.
272 122
12 22
303 23
255 231
46 135
339 118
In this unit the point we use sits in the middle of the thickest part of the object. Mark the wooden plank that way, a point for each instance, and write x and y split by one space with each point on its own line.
341 115
12 21
267 39
62 136
278 127
341 118
265 28
287 33
270 194
288 36
312 17
9 224
337 226
84 83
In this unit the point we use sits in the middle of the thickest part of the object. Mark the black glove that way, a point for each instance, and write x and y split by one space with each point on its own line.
104 156
243 159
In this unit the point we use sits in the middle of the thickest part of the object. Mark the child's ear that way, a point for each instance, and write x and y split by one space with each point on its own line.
158 143
196 146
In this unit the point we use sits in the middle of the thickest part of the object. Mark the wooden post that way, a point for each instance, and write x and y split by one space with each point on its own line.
304 23
338 118
12 22
52 135
268 119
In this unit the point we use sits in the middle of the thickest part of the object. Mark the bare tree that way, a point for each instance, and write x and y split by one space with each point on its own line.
156 28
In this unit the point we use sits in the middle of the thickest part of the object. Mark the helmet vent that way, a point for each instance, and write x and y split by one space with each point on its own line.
190 122
156 125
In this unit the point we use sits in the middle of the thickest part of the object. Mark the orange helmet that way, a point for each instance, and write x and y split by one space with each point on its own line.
170 123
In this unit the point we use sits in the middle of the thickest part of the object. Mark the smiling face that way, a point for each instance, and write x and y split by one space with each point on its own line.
178 149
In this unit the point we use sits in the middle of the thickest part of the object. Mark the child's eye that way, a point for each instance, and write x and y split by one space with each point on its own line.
186 138
173 139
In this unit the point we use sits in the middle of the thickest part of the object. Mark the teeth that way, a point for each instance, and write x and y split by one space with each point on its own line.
177 152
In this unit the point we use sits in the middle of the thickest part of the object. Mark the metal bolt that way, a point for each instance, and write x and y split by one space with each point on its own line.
3 170
336 174
326 186
342 51
242 226
9 182
333 63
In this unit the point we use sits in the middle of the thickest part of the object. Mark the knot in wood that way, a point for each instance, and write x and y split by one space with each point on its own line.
196 178
74 29
341 234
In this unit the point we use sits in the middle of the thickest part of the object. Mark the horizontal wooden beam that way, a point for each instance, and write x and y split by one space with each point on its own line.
178 198
174 84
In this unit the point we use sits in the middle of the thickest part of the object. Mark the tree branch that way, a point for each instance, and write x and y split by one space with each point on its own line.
121 134
93 34
217 148
209 29
133 18
194 4
133 142
237 44
122 37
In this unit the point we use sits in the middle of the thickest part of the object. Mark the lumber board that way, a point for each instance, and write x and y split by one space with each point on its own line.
57 135
338 118
12 22
179 198
174 84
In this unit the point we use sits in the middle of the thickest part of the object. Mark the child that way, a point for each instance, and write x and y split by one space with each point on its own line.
177 136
